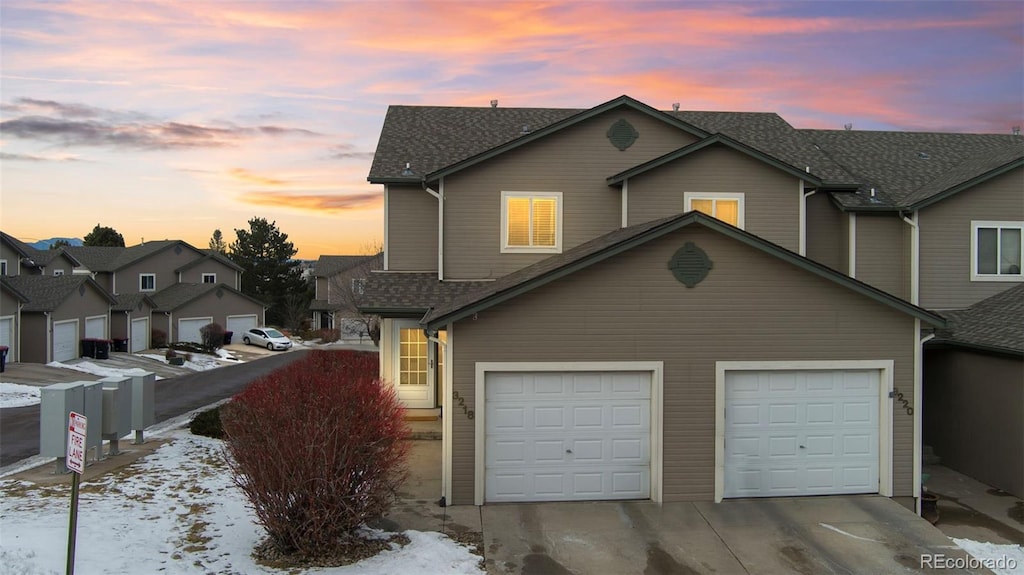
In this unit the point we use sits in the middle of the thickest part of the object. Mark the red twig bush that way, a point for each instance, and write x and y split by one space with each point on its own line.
318 447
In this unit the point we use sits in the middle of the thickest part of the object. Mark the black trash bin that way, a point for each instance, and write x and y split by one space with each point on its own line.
120 344
89 347
3 358
227 337
102 349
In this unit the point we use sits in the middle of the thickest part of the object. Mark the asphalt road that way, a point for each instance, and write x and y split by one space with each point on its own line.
19 426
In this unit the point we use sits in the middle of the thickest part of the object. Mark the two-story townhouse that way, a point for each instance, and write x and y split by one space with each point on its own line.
604 338
17 258
337 282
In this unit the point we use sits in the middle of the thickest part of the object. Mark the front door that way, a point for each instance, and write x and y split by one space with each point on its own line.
413 373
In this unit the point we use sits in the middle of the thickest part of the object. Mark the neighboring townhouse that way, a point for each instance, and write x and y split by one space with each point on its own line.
338 280
59 312
625 303
11 302
18 258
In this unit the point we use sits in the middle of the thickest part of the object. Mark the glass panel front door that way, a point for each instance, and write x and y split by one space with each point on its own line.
412 372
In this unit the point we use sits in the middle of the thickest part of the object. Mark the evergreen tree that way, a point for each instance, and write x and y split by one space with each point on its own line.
217 242
270 274
104 236
60 244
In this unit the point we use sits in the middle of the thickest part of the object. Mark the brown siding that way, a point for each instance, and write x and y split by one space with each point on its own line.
163 264
219 308
33 338
844 243
770 196
630 308
946 240
12 257
121 320
412 229
825 231
974 415
880 254
9 308
225 275
575 161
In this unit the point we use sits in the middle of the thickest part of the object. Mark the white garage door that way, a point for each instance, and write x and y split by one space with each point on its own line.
801 433
188 329
567 436
240 324
140 334
65 340
7 336
96 327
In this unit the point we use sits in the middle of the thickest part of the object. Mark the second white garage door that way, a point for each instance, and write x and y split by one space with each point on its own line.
240 324
188 329
140 334
567 436
65 340
801 433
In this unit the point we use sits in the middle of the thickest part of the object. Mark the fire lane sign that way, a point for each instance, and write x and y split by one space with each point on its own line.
76 442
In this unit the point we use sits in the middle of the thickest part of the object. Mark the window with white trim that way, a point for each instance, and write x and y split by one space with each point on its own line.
3 267
209 278
58 272
996 249
722 206
531 222
147 282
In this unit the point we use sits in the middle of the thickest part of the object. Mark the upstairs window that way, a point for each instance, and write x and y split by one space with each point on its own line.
3 267
209 278
725 207
531 222
58 272
996 249
147 282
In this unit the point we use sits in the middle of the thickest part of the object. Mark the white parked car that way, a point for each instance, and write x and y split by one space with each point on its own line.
267 337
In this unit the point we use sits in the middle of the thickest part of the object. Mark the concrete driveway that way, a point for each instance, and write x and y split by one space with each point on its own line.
812 535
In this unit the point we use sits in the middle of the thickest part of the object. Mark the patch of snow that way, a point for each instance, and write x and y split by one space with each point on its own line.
181 504
18 395
1000 559
100 370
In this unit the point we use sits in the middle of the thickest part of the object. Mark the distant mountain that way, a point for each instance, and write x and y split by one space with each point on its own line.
45 244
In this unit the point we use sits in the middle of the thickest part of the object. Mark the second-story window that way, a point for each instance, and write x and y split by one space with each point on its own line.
147 282
531 222
58 272
209 278
3 267
725 207
996 251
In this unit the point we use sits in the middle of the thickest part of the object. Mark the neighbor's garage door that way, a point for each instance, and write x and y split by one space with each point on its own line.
188 329
240 324
140 334
96 327
567 436
7 337
65 340
801 433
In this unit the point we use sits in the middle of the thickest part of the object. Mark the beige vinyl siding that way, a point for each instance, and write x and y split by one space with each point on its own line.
33 338
12 257
630 308
825 231
946 240
844 243
225 275
163 264
880 256
411 229
575 161
34 335
219 308
771 201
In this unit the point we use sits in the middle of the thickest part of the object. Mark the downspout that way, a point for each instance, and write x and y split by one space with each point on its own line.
915 255
918 398
852 247
440 225
625 202
802 250
49 337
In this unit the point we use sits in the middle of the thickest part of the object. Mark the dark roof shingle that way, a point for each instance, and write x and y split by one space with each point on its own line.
47 293
414 293
996 323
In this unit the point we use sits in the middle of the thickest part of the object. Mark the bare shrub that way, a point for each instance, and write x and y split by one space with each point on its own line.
213 337
318 448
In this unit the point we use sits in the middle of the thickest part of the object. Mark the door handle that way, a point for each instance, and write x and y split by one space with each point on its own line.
568 451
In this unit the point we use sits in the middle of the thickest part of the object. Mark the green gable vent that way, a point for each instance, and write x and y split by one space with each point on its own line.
622 134
690 265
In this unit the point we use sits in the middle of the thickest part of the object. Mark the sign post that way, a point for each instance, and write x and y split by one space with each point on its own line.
76 463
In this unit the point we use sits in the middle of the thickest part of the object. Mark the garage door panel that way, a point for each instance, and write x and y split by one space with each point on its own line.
140 334
568 484
540 451
795 438
65 341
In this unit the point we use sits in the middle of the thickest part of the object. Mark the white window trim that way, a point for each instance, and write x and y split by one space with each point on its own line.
203 278
975 276
147 275
3 267
506 249
885 368
58 272
688 198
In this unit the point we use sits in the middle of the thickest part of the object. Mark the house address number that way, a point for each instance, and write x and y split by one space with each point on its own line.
898 395
462 403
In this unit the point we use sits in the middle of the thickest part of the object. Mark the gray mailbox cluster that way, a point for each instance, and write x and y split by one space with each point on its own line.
114 406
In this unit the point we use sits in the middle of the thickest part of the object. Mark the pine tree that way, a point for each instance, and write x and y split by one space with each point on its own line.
217 242
269 272
103 236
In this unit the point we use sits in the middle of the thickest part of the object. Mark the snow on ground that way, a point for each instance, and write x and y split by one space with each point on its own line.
18 395
1001 559
178 512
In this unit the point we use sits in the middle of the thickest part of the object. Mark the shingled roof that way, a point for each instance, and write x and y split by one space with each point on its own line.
109 259
865 170
995 324
411 294
131 301
177 295
34 257
47 293
328 266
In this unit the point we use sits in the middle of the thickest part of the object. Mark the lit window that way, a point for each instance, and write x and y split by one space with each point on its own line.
209 278
996 249
531 222
725 207
412 358
147 282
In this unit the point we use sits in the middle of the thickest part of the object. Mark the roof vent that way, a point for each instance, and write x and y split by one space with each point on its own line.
848 126
494 103
526 129
407 171
923 156
675 107
1015 130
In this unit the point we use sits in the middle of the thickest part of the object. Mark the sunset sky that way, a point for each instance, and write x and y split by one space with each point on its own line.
170 119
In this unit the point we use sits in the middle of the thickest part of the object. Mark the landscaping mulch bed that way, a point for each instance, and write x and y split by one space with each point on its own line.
354 550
